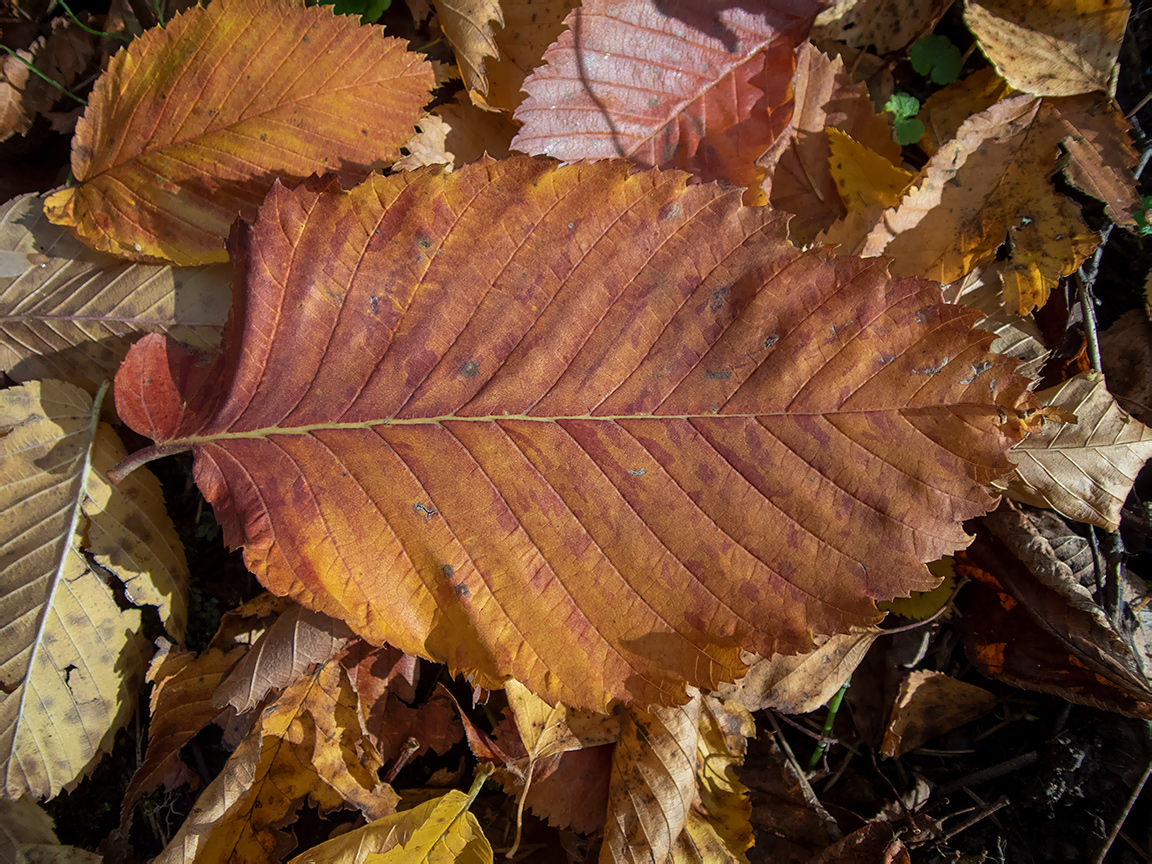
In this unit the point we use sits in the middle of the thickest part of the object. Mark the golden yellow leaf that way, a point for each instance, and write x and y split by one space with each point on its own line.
1051 47
1083 470
71 661
946 110
308 745
862 175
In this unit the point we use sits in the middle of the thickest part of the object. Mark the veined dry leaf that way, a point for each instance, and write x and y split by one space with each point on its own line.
800 683
70 313
530 26
889 25
71 661
307 746
945 111
15 115
992 181
1016 335
192 122
468 26
604 90
502 460
245 624
930 704
1086 469
27 836
427 146
653 782
1051 47
293 642
439 831
180 706
61 56
799 178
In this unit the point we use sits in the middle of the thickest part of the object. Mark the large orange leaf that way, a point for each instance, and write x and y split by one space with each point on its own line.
677 85
592 429
192 123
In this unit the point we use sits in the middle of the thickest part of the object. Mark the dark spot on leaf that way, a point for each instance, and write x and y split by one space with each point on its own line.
448 570
770 341
423 242
719 297
469 369
718 375
374 302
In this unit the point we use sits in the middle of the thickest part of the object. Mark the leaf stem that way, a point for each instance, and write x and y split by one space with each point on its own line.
72 17
140 457
51 81
833 708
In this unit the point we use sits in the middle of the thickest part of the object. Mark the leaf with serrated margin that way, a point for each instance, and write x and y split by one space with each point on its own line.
682 85
190 124
70 313
71 660
503 458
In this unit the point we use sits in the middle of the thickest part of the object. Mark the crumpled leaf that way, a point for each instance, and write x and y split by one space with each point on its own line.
1051 47
468 26
928 705
1085 469
1026 620
61 56
293 642
991 182
192 122
653 782
604 89
307 746
72 661
70 313
787 434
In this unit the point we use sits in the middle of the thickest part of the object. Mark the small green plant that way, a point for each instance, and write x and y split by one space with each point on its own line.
906 129
935 57
369 11
1141 216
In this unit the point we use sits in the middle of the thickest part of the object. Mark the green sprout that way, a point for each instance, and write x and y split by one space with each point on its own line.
1141 216
906 129
369 11
937 58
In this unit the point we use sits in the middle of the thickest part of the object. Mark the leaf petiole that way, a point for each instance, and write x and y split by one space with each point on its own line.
54 83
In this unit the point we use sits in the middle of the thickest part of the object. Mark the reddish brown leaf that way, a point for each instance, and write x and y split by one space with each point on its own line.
930 704
678 85
502 460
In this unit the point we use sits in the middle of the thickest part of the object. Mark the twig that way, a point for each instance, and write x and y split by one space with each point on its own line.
989 773
792 760
1124 814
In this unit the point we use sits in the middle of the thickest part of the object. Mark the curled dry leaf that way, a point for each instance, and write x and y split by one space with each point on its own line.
70 313
1016 335
72 660
308 745
468 26
1085 469
292 643
930 704
192 122
648 385
604 90
1051 47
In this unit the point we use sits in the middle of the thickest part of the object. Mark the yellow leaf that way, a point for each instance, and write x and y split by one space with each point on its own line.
862 175
925 604
71 659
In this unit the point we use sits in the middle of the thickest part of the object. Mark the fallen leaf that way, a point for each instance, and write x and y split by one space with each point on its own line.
928 705
653 783
468 26
439 831
432 725
864 177
799 177
1126 357
1085 469
16 113
70 313
377 671
427 146
1016 335
72 659
180 706
292 643
307 746
458 462
604 90
1033 625
530 26
888 25
944 112
875 843
473 131
800 683
27 836
173 144
1051 47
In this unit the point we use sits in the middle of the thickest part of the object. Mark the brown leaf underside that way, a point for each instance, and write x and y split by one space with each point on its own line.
637 433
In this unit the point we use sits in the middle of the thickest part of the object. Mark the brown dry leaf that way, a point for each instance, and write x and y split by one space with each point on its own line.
180 706
1051 47
16 112
799 683
930 704
798 177
864 177
993 181
427 146
375 673
530 26
889 25
653 782
468 25
474 131
296 640
69 312
875 843
1086 469
71 658
62 56
27 836
1126 357
1016 335
308 745
397 728
945 111
1034 625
